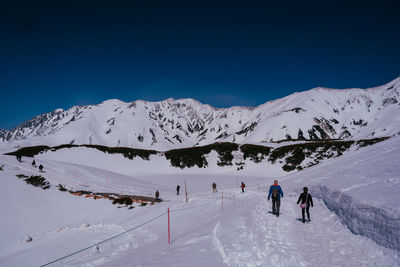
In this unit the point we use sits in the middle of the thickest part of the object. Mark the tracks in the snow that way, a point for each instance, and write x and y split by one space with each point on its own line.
255 237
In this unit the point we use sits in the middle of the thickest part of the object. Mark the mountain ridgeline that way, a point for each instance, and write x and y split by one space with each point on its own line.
317 114
290 157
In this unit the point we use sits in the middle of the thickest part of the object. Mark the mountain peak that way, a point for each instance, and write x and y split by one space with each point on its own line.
113 102
320 113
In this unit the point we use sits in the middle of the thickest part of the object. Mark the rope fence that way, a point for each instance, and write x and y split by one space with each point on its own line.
138 226
108 239
120 234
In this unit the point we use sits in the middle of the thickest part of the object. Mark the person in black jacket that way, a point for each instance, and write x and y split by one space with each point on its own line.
306 201
214 187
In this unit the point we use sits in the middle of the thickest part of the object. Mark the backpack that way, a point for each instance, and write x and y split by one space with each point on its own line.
275 193
305 204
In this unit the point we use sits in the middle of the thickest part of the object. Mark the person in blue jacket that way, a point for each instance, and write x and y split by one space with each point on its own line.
275 191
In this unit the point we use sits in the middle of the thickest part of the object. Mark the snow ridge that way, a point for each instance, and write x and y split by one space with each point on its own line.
373 222
319 113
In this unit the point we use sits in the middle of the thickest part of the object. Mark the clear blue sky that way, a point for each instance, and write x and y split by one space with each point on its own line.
56 54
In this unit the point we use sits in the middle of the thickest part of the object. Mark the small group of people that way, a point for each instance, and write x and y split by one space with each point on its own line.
157 194
276 193
214 187
40 166
19 158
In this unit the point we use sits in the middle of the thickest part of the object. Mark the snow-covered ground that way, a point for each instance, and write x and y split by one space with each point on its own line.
355 219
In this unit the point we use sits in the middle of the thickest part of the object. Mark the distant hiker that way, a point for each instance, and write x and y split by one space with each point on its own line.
157 194
276 192
214 186
306 200
33 163
242 186
177 189
19 158
41 168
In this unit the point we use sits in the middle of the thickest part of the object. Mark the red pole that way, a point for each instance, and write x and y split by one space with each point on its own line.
169 232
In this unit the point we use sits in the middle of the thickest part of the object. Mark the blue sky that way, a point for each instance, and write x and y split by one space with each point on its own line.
56 54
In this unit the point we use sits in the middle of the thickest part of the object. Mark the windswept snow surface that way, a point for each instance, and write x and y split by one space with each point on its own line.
236 230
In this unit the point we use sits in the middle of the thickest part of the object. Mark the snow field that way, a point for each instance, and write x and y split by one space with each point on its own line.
244 234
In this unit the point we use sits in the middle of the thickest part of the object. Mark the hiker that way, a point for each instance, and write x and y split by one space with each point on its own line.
41 168
177 189
242 186
19 158
214 186
33 163
306 200
276 192
157 194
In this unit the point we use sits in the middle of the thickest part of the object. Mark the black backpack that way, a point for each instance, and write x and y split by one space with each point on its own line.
275 193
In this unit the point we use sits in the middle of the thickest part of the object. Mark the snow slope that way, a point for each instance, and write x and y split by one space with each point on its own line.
363 188
242 232
319 113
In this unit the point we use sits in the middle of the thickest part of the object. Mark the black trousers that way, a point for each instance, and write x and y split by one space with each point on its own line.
276 203
306 210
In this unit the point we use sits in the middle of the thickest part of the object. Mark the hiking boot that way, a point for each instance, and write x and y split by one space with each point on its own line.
304 221
277 215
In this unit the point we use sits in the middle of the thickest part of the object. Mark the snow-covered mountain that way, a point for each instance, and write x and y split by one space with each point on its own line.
60 215
3 133
319 113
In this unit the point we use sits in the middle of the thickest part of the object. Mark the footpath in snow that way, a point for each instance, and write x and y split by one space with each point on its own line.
244 234
258 238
